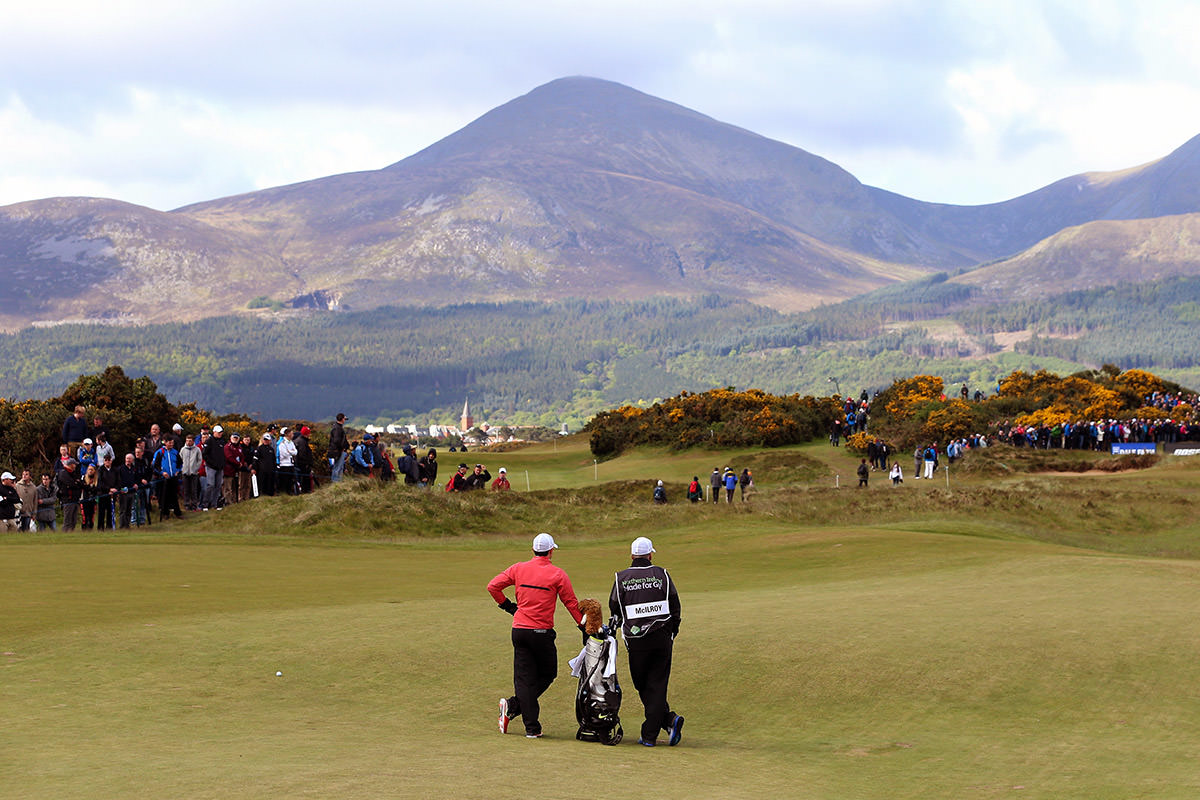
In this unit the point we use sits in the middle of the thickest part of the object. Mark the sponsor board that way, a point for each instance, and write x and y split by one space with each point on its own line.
1134 448
1182 448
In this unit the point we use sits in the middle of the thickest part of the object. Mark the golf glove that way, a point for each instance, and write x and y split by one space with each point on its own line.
509 606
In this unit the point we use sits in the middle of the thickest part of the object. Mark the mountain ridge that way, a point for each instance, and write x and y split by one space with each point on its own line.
580 187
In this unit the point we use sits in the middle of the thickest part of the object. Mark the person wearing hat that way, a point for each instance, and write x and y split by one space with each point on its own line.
362 458
479 477
86 455
429 468
231 483
70 489
660 493
214 468
10 503
539 586
645 605
458 481
262 466
715 482
501 483
176 434
285 455
410 466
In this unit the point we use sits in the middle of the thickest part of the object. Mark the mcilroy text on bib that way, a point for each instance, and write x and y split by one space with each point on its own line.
639 610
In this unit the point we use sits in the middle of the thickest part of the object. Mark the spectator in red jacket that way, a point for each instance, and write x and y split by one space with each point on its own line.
233 468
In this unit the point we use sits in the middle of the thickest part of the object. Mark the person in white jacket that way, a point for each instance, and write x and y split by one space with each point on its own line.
190 459
287 462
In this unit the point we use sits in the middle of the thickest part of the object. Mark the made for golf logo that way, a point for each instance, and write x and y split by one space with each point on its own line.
636 584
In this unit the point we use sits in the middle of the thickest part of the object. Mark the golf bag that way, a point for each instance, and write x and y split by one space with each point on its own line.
598 699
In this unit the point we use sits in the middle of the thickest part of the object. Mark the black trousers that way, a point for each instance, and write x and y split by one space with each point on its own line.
126 505
169 501
535 666
104 512
650 670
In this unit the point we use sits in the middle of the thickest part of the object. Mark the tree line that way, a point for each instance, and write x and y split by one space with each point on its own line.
546 363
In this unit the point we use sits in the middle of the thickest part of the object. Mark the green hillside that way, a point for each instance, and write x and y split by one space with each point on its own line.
546 363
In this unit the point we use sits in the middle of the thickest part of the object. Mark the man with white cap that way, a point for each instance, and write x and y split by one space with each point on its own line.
214 468
501 483
539 586
10 503
645 605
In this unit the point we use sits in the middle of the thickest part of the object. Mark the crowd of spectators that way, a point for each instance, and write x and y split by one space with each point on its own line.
1096 434
90 486
856 414
721 483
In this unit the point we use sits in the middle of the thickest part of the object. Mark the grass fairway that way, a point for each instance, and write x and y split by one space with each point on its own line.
1014 637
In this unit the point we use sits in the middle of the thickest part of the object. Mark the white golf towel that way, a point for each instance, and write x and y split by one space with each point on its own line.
610 664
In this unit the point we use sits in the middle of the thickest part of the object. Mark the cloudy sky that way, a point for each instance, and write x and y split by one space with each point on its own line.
165 103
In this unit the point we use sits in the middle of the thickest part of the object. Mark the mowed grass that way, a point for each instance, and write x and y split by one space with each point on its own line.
990 639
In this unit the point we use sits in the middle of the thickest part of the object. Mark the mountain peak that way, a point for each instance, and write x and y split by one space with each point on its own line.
559 116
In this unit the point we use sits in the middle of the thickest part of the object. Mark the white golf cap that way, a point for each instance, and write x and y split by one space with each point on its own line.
176 427
217 429
502 469
641 547
8 476
87 441
543 543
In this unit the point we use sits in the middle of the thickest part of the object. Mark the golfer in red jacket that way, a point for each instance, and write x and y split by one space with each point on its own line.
539 586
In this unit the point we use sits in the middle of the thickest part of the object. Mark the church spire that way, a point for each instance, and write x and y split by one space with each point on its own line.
467 422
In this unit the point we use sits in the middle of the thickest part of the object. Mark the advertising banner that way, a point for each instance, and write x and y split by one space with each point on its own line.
1134 448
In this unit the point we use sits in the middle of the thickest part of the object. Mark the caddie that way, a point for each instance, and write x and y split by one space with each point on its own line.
645 604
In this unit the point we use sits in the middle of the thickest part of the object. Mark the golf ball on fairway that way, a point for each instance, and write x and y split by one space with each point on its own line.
278 674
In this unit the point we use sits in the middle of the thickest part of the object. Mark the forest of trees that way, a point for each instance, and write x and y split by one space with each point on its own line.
535 363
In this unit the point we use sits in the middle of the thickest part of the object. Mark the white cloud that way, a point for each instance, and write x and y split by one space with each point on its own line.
167 103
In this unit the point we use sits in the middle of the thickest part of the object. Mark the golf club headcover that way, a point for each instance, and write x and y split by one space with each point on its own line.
592 616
